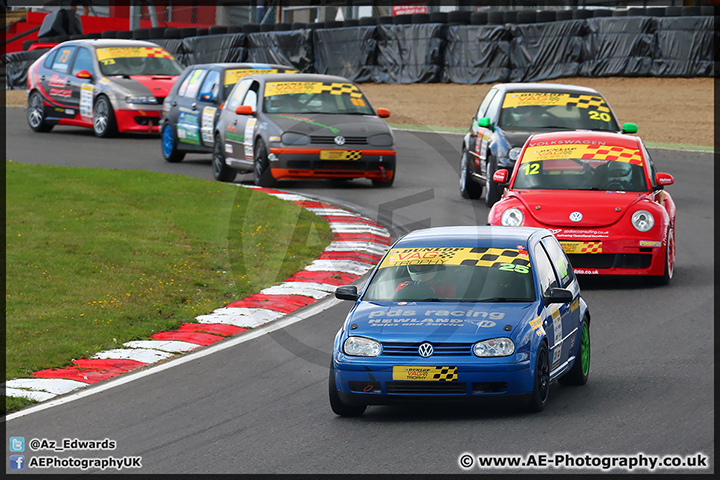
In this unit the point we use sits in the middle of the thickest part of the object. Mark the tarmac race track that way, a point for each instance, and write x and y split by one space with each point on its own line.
261 406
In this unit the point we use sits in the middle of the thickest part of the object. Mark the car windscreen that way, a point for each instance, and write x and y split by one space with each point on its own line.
315 97
453 274
592 166
233 75
571 111
137 61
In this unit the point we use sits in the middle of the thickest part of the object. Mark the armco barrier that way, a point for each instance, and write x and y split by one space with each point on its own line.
434 52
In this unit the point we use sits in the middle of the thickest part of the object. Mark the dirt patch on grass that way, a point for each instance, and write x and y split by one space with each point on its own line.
666 110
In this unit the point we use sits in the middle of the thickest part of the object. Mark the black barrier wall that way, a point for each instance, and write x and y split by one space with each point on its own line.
434 52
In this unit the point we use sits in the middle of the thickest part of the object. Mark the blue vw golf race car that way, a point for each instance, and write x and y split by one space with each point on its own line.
462 313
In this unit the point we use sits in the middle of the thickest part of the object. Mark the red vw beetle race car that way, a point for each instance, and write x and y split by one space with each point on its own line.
600 195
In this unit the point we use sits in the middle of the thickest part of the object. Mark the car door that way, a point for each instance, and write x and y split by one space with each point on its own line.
233 126
569 312
208 101
83 88
59 85
551 314
188 123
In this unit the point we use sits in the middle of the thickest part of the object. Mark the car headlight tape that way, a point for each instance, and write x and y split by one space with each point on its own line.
512 217
643 220
143 100
494 347
292 138
362 347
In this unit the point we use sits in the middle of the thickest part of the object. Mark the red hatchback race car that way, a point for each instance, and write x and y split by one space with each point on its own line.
600 195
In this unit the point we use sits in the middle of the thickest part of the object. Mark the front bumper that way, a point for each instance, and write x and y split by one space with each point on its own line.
614 256
300 163
138 121
373 384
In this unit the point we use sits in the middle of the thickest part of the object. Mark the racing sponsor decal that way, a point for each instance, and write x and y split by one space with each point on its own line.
581 234
274 138
340 154
503 258
234 75
536 325
435 374
575 304
104 81
106 54
583 271
86 100
594 102
228 148
399 317
557 336
535 153
308 120
61 92
582 247
298 88
57 81
69 111
249 131
208 120
188 126
650 243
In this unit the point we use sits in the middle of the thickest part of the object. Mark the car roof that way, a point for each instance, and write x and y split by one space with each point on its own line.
227 65
470 236
303 77
110 42
545 87
586 136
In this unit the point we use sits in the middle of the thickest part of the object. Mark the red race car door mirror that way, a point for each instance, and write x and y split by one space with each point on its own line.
500 176
244 110
663 179
383 112
83 74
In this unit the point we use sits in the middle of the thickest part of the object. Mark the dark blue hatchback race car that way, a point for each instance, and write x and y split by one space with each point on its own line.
462 313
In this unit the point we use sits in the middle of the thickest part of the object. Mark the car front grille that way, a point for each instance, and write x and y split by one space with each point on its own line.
336 165
444 388
610 260
328 139
405 349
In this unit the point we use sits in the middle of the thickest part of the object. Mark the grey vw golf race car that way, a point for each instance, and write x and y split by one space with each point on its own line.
300 126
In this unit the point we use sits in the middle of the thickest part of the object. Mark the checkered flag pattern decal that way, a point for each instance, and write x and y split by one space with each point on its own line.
354 155
588 101
446 374
620 154
591 247
341 88
492 257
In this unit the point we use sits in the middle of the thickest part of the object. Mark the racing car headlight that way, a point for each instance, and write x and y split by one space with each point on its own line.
643 220
512 217
495 347
362 347
514 153
381 140
143 100
292 138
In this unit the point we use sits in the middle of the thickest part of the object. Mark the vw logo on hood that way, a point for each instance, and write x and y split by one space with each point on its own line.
340 140
425 350
576 216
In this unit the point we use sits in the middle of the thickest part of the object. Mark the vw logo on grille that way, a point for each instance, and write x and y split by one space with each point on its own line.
425 350
576 216
340 140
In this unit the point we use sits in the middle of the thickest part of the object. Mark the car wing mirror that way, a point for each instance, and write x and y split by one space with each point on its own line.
207 97
500 176
484 122
244 110
558 295
629 128
83 74
383 112
347 292
664 179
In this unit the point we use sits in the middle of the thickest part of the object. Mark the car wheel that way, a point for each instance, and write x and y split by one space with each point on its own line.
221 171
36 113
261 171
337 405
104 118
468 187
541 385
169 145
578 374
492 189
669 269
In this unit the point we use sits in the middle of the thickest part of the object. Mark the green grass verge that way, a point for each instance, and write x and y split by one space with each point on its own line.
96 258
680 146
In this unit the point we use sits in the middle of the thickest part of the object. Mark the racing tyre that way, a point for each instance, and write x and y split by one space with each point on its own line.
337 405
221 171
578 374
261 173
667 275
36 113
169 145
383 183
468 187
492 189
104 118
541 388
